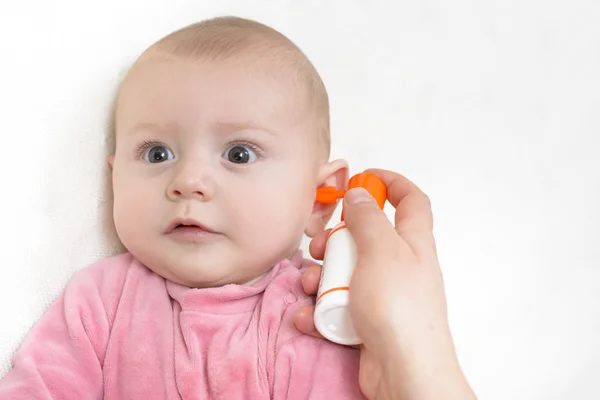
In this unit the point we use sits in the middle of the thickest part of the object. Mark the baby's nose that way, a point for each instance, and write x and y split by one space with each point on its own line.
192 183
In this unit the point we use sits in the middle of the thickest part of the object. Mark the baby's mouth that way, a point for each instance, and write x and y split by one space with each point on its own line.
189 226
190 232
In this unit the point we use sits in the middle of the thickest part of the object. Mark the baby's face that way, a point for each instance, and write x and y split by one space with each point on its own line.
215 170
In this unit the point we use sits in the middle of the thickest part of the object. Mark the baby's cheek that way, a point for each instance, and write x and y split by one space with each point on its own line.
285 222
129 211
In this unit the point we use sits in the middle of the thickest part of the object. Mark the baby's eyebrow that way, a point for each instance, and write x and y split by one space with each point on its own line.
222 127
229 127
154 127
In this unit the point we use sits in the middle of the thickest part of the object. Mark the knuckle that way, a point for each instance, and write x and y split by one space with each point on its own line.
426 200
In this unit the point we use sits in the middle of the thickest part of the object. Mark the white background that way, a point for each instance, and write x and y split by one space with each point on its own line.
492 107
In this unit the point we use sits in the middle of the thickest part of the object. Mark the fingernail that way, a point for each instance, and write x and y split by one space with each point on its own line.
358 195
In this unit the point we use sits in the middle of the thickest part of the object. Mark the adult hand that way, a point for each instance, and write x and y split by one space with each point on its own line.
397 299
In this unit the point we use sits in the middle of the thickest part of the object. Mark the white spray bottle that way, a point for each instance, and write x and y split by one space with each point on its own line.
332 315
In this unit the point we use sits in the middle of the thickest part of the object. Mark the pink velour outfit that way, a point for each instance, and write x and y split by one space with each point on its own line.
120 331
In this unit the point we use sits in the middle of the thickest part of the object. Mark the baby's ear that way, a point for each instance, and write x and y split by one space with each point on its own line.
333 173
111 160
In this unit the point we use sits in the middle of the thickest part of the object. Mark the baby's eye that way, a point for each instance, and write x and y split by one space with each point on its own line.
240 154
158 154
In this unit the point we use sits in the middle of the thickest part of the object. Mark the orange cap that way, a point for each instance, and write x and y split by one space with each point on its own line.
371 182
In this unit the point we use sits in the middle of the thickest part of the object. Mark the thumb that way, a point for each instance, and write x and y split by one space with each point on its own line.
372 231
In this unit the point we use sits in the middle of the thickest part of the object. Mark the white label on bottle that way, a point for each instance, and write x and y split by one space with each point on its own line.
339 260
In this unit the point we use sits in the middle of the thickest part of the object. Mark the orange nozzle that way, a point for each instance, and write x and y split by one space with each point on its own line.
329 195
371 182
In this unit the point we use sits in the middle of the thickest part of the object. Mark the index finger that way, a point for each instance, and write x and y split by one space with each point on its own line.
413 218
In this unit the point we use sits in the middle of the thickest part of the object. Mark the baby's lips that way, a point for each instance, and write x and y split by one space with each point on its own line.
187 222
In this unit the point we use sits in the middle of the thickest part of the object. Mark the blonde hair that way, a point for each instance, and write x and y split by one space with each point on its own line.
224 37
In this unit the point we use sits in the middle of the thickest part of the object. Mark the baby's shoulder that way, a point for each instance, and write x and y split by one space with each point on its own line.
108 269
285 292
102 284
107 277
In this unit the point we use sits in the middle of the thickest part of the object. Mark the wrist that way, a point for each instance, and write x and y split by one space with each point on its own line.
423 369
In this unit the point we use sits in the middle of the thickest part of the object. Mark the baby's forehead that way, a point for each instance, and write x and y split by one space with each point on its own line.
239 78
212 97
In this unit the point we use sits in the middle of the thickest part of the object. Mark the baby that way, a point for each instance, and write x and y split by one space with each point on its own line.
222 138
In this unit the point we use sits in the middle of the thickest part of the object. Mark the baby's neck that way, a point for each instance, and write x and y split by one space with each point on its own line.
253 281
